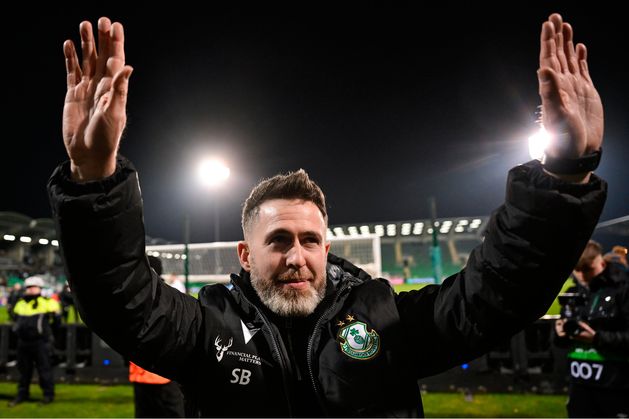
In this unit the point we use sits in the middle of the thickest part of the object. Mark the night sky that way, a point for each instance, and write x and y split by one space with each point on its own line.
383 106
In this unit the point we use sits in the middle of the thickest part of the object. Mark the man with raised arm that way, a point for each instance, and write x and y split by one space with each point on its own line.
302 332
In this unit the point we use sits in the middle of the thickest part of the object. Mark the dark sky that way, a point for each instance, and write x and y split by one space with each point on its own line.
383 106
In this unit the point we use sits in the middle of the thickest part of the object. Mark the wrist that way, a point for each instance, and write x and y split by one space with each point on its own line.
576 170
82 173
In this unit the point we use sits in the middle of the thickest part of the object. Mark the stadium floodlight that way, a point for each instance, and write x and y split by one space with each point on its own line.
43 241
459 229
364 230
213 172
353 231
25 239
9 237
338 232
379 229
54 243
538 143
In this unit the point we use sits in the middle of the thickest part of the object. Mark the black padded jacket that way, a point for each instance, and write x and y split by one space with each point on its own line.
365 348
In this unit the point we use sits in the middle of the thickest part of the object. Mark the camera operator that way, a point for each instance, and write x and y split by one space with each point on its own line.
595 322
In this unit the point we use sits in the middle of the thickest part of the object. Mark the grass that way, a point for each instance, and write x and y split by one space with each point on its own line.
71 401
444 405
95 401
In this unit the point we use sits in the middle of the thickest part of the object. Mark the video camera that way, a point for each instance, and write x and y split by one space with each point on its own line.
572 311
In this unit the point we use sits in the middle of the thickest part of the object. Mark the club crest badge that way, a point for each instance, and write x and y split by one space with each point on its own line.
357 342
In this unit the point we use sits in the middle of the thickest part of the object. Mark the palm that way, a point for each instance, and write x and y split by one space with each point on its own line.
571 105
94 112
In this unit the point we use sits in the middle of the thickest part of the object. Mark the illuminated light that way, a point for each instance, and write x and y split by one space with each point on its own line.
444 229
9 237
406 225
465 366
54 243
464 222
177 256
168 255
538 143
447 223
417 231
329 233
25 239
419 225
436 223
477 221
406 232
459 229
364 230
43 241
338 231
430 230
106 362
156 254
184 257
213 172
353 231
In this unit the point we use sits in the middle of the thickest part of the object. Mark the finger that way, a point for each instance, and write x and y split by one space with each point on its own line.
557 22
582 55
88 50
569 51
104 28
548 48
120 88
548 86
73 70
116 49
586 327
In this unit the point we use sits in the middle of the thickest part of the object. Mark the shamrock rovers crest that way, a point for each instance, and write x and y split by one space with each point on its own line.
358 343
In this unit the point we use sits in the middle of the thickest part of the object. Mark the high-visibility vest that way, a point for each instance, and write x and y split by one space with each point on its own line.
140 375
44 305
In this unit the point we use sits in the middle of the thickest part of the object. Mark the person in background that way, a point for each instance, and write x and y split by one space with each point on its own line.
618 258
155 396
595 324
35 317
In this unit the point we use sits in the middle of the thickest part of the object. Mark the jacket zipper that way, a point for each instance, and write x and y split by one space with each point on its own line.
344 286
275 347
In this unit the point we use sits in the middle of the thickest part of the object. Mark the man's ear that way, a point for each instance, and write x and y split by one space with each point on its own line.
243 255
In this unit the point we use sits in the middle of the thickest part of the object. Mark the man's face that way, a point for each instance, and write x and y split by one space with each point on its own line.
32 291
285 252
594 269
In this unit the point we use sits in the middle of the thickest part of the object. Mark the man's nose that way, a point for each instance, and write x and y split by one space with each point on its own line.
295 256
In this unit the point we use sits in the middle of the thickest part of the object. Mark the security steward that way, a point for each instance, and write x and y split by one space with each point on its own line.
34 318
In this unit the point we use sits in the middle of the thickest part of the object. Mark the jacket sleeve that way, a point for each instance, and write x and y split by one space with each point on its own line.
101 233
531 245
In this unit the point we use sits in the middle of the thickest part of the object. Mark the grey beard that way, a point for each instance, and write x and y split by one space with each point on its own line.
287 302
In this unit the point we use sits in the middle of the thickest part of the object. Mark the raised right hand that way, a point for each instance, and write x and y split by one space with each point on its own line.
94 113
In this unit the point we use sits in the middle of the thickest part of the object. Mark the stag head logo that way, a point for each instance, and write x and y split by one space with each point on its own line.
220 349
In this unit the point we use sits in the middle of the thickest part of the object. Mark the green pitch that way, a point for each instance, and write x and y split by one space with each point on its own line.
95 401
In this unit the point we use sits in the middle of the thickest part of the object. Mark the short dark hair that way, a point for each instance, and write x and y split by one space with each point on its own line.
156 264
591 251
291 185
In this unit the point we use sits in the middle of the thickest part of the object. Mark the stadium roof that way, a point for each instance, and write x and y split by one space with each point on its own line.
22 228
460 228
